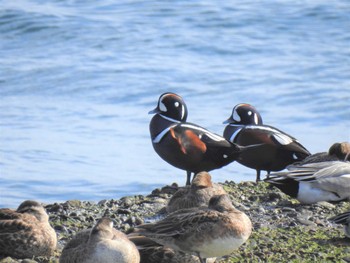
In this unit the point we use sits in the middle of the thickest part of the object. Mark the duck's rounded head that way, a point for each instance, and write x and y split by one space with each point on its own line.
33 208
245 114
171 105
340 150
103 228
221 203
202 180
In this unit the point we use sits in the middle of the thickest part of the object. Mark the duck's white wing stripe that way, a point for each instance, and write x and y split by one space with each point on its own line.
283 139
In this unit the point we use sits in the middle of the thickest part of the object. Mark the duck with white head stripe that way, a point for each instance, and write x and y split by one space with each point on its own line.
245 127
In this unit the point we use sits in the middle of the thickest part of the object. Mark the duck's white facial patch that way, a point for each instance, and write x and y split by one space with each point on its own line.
182 112
256 119
225 156
176 104
250 113
162 107
235 116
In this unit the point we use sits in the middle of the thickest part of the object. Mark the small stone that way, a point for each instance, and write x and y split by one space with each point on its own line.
275 196
102 202
61 228
156 191
127 201
74 203
326 205
261 210
289 209
27 260
8 260
138 221
305 221
123 211
55 208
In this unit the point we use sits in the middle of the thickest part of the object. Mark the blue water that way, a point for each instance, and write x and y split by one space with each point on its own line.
77 79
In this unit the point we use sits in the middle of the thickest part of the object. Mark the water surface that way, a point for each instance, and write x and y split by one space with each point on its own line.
77 79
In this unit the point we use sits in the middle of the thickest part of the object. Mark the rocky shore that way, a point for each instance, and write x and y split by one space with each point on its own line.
284 230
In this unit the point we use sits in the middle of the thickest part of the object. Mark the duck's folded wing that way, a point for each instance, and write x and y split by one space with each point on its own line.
179 223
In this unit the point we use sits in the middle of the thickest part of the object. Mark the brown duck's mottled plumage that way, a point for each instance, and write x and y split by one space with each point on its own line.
101 244
152 252
207 232
26 232
196 195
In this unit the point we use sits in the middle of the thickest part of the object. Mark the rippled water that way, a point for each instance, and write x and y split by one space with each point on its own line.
77 79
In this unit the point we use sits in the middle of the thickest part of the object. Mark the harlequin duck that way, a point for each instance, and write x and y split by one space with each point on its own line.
186 145
279 149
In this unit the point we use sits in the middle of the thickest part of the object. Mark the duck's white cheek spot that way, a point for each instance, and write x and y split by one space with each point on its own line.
176 104
250 113
162 107
235 116
225 156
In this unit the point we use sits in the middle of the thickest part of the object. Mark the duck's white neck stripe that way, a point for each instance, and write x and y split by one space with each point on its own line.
233 136
160 136
169 119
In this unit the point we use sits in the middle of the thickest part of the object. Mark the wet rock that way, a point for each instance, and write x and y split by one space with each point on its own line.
74 203
124 211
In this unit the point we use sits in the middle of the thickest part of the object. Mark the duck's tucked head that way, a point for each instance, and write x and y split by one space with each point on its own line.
221 203
202 180
33 208
341 150
245 114
102 229
171 105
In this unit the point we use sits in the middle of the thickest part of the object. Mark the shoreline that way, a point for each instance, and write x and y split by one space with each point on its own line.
284 230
